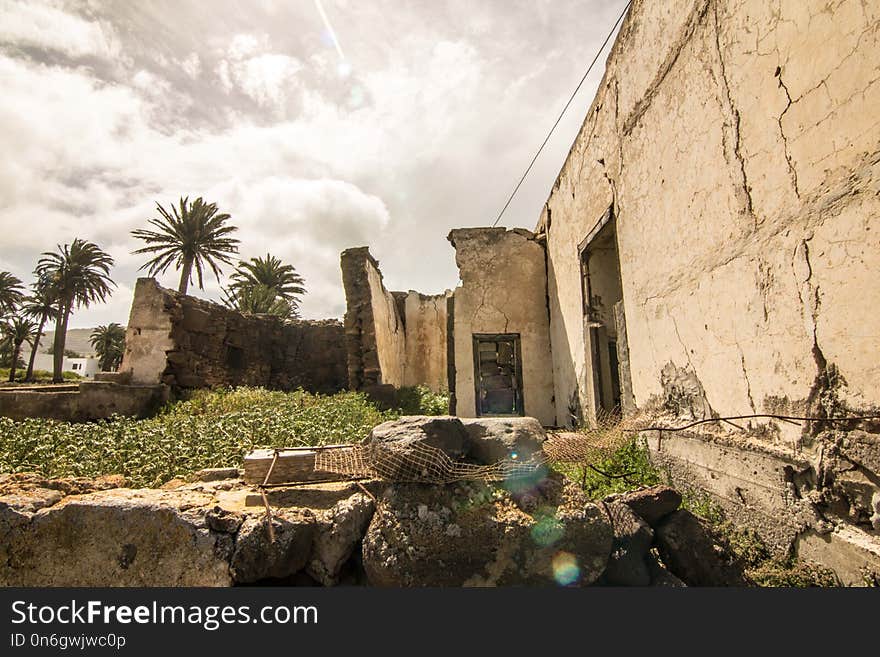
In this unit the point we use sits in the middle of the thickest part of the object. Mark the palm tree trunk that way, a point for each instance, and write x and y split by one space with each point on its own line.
184 276
29 375
60 341
16 352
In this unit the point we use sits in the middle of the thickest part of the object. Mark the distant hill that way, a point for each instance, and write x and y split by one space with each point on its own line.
77 340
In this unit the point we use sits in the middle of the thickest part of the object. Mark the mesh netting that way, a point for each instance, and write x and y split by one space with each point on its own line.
417 462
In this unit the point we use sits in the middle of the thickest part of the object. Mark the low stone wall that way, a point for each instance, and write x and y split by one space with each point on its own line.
821 504
90 400
186 342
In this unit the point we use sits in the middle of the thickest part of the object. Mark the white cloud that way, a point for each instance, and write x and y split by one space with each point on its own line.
265 77
44 25
192 65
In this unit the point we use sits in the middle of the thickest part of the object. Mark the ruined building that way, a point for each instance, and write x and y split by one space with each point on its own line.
710 249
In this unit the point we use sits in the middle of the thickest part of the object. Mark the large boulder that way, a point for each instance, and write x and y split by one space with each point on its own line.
652 504
260 555
628 564
341 531
473 534
116 537
492 439
691 552
443 432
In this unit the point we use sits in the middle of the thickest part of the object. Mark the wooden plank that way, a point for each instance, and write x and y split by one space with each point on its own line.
294 464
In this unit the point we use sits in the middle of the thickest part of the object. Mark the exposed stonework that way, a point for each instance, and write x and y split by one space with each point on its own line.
82 402
392 338
503 291
186 342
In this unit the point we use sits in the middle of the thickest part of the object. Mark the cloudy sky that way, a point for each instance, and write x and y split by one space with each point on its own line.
317 124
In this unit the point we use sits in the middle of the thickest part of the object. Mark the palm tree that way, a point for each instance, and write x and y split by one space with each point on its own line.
79 274
16 332
40 305
11 293
259 299
266 285
109 343
188 238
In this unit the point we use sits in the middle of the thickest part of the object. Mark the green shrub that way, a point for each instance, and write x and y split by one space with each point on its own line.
421 400
625 468
210 429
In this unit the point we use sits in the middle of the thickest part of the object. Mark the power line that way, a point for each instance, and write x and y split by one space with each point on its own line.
559 118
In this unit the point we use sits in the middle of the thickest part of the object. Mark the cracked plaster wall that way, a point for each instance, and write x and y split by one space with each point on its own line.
503 290
740 145
739 142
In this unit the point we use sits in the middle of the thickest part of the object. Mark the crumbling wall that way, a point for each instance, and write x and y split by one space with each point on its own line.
82 402
392 338
186 342
739 146
503 290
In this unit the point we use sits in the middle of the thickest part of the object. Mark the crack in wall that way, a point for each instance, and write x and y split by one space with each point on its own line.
695 19
792 172
734 123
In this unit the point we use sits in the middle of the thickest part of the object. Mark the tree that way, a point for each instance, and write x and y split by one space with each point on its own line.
109 343
16 332
40 305
191 236
11 293
79 274
259 299
266 285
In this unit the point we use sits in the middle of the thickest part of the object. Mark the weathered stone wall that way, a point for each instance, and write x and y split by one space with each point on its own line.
82 402
739 146
503 290
186 342
392 338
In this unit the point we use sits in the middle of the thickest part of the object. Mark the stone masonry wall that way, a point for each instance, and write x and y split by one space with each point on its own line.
739 145
186 342
392 338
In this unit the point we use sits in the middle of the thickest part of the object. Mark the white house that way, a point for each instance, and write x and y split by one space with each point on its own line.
85 367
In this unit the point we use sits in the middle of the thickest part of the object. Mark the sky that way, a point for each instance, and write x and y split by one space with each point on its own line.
317 125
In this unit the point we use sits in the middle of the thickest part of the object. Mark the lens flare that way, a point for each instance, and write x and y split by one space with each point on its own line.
547 530
565 568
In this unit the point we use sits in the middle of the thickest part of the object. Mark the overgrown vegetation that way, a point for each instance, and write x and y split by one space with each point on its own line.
624 468
421 400
760 564
211 429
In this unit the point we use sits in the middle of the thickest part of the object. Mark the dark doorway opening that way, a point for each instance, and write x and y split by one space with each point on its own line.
498 374
604 320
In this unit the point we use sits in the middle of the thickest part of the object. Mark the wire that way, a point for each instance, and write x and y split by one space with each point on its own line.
787 418
559 118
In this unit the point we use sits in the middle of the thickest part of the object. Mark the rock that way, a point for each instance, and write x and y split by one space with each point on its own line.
115 537
223 521
475 535
652 504
216 474
445 433
660 576
490 440
632 541
256 557
690 552
336 540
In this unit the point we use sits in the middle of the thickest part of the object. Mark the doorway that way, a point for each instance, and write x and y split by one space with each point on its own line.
498 374
604 320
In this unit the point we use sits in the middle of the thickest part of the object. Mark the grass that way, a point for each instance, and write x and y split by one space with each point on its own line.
210 429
